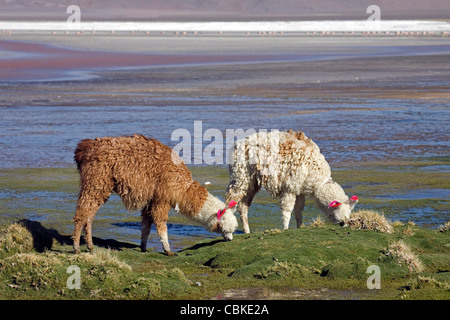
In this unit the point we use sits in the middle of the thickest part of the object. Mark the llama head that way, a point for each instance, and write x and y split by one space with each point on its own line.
341 211
226 222
334 202
218 217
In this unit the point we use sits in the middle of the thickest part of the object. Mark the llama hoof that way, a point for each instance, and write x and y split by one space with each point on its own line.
171 253
76 251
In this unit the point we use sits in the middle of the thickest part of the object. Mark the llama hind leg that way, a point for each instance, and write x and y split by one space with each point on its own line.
147 221
83 220
87 207
79 225
88 233
298 209
287 205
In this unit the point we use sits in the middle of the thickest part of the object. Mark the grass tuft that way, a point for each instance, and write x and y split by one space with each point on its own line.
15 239
403 254
445 227
318 223
100 257
369 220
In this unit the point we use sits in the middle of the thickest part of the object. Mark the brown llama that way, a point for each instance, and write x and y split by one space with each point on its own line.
147 176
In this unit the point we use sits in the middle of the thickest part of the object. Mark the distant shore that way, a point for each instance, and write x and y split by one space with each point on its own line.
32 57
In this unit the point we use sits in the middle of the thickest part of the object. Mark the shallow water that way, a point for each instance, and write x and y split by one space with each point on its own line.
34 194
47 136
425 216
417 194
131 231
265 293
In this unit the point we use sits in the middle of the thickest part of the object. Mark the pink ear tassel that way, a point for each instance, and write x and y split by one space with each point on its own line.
232 204
334 204
220 213
354 198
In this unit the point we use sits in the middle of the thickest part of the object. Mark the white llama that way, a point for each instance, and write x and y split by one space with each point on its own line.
288 165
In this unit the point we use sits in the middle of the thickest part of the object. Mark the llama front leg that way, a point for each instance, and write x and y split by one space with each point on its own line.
287 205
165 242
160 215
298 209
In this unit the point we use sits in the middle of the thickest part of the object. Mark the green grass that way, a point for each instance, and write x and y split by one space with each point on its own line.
316 261
328 257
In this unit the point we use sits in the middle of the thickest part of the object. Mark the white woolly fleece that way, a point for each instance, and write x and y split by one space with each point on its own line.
285 164
279 163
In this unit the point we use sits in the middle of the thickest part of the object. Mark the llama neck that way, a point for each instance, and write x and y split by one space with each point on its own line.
319 173
208 213
190 201
202 207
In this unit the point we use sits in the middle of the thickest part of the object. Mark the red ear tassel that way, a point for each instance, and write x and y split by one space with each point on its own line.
220 213
354 198
334 204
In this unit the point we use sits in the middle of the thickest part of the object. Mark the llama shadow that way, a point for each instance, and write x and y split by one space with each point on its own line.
43 238
208 244
201 245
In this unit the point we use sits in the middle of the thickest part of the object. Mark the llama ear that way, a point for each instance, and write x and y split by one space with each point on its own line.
220 213
353 202
334 204
232 204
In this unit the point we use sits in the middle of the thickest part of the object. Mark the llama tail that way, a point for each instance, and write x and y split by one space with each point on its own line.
83 151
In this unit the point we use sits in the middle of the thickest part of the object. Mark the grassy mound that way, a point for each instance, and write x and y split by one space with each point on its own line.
328 259
32 273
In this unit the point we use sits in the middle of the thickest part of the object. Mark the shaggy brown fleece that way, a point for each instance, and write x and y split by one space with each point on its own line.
142 171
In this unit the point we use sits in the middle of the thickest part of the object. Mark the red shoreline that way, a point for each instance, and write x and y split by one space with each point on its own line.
46 62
